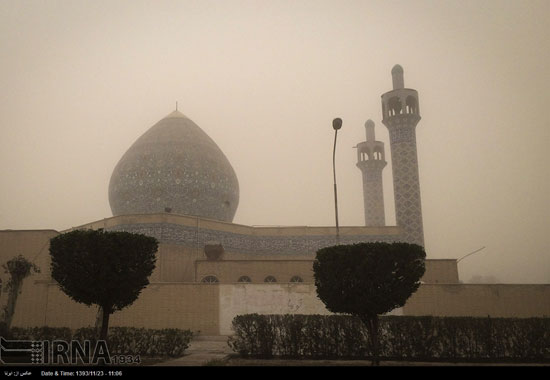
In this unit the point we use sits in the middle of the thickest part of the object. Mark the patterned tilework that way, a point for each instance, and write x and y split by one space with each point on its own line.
253 245
408 208
175 165
373 193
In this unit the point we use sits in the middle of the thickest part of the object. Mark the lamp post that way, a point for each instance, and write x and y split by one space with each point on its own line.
336 125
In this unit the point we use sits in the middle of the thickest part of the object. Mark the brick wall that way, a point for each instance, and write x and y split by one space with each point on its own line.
210 308
160 305
176 263
496 300
441 272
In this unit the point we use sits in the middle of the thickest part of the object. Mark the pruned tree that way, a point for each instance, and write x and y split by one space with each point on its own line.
18 269
108 269
368 279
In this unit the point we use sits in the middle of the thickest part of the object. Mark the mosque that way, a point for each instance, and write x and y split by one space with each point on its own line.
174 183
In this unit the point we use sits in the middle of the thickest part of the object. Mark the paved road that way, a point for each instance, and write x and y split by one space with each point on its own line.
201 350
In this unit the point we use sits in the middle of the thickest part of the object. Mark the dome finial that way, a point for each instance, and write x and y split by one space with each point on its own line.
397 77
369 126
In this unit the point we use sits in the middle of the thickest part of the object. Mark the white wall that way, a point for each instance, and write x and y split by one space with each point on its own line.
237 299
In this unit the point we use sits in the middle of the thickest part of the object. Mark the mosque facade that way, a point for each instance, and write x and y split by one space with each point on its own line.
175 184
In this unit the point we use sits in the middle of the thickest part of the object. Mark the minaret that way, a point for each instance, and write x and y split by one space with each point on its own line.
400 115
371 160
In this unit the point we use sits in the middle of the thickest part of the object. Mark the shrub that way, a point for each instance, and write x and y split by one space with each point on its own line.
141 341
40 333
4 330
367 280
256 336
121 340
97 267
293 336
402 337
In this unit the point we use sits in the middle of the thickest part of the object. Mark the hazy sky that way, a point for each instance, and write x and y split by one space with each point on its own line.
82 80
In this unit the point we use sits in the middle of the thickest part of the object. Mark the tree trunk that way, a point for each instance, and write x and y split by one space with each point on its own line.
98 320
105 323
12 302
371 323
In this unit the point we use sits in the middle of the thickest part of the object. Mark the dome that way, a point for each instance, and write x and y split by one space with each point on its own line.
175 167
397 77
397 69
369 124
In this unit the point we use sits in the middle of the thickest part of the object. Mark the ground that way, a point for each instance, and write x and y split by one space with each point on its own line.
237 361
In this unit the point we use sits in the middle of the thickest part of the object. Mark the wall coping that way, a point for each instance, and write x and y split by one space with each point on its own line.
202 223
29 230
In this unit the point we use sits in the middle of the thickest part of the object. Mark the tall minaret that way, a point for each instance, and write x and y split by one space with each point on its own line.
371 159
401 114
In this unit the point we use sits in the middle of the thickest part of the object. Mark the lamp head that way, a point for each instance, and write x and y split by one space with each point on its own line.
337 123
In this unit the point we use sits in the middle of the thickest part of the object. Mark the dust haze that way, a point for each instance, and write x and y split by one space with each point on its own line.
82 80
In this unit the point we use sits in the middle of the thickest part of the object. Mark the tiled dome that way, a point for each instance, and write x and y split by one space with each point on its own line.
175 167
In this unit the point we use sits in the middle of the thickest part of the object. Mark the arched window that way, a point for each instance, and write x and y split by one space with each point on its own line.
296 279
367 155
270 279
210 279
411 104
244 279
395 106
377 155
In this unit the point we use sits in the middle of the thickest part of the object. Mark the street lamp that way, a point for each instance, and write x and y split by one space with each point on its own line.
336 125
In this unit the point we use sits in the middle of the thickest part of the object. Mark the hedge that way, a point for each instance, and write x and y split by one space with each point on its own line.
401 337
141 341
120 340
39 333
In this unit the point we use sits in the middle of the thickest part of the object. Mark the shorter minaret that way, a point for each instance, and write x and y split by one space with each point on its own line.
371 160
